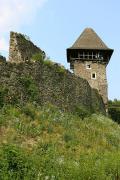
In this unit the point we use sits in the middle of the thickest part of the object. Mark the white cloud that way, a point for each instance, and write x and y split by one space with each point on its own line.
14 14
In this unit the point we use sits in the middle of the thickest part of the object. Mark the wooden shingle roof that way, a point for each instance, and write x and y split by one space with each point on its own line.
89 40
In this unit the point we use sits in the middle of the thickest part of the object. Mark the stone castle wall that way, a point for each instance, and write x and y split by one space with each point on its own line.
100 82
63 89
21 48
46 83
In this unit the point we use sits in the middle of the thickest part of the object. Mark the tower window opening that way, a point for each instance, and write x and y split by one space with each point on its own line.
88 66
93 76
96 56
100 56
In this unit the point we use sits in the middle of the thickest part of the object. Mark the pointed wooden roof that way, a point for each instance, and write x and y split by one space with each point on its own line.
89 40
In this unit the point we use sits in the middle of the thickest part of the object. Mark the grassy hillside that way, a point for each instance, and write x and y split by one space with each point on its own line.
44 143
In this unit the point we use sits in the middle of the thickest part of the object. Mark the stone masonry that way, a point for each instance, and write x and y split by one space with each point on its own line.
88 58
100 82
21 48
60 88
50 83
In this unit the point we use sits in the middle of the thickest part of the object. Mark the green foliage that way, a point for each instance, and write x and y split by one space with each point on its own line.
82 112
67 137
29 92
115 113
3 96
48 63
46 143
29 110
15 164
114 110
61 70
38 57
30 88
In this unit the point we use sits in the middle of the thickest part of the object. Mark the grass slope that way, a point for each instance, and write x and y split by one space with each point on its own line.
44 143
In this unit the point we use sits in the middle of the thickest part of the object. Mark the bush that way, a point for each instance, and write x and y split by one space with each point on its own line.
15 164
29 111
30 88
38 57
61 70
67 137
48 63
114 110
82 112
3 95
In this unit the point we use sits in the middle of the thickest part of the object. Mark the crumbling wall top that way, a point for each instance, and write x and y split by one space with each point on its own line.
21 48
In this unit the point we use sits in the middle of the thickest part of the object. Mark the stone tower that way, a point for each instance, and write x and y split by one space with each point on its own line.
88 58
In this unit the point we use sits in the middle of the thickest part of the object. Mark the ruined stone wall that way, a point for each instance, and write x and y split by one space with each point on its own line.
100 82
61 88
24 78
21 48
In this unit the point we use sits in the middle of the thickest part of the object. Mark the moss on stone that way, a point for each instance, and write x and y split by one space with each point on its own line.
64 90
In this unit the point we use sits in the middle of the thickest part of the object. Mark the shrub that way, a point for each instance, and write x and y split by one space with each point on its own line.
115 113
61 70
48 63
67 137
114 110
82 112
30 88
38 57
50 129
16 164
3 95
29 110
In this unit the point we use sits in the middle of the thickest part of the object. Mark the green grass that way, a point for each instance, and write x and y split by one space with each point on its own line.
45 143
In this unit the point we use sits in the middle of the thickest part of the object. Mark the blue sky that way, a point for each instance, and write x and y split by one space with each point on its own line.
54 25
